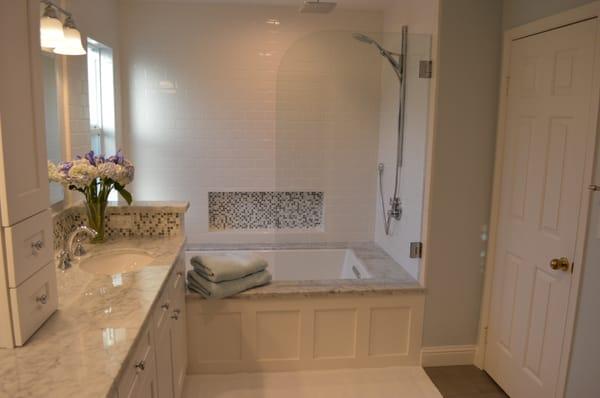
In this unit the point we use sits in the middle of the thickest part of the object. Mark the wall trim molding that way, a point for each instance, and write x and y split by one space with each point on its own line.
449 355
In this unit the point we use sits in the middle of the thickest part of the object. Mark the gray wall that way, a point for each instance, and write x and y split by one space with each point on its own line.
520 12
466 112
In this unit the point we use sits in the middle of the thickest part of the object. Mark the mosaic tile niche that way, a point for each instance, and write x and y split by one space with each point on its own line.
265 210
123 222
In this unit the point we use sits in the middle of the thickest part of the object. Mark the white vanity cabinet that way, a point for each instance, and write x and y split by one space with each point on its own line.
158 364
27 288
23 159
139 377
178 328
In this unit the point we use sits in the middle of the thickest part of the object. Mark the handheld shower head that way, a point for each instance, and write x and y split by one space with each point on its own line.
363 38
387 54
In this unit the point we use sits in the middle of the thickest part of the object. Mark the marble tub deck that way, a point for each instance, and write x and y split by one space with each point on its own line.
388 277
80 350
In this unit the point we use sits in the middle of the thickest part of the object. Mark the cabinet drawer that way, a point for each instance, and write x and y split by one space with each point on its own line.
29 247
177 278
33 302
139 365
160 314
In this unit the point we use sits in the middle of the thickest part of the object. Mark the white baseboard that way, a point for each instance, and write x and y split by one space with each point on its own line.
450 355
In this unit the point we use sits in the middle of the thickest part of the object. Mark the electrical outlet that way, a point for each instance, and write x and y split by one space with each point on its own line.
121 221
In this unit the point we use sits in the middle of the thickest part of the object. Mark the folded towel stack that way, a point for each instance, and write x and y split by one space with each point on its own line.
218 276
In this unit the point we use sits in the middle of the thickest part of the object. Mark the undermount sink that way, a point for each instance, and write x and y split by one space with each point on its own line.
117 261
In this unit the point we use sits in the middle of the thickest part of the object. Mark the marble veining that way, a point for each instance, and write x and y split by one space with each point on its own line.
80 350
388 277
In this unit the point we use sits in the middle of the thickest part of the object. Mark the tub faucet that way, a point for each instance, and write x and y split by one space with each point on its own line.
67 255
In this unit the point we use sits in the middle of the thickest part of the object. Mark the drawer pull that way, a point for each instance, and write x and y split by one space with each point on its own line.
140 366
165 306
175 314
43 299
37 246
179 275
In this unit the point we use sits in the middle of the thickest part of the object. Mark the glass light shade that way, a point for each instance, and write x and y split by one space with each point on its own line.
51 32
71 44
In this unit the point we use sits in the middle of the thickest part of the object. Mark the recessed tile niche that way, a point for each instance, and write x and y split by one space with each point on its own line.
265 210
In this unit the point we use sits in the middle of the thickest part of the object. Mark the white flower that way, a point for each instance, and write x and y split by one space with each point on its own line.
108 170
82 173
53 174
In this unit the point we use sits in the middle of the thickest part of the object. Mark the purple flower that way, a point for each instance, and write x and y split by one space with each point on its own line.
90 158
64 167
118 158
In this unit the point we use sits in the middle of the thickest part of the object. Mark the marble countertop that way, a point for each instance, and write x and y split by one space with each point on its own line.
388 277
80 350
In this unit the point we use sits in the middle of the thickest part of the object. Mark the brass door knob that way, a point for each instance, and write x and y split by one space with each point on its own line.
562 264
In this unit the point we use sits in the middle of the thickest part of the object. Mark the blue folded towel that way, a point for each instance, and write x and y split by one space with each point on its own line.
227 266
219 290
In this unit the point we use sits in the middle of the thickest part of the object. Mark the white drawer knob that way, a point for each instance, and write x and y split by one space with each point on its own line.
43 299
140 366
37 246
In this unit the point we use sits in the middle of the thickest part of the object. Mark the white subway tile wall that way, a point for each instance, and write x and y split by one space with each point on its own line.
221 99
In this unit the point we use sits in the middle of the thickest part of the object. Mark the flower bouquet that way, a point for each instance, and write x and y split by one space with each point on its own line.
95 176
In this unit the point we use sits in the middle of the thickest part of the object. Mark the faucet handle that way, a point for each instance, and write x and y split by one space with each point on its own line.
79 249
64 260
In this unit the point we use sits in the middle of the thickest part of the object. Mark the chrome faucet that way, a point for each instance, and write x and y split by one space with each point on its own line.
66 255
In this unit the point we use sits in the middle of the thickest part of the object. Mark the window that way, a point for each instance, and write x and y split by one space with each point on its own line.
101 94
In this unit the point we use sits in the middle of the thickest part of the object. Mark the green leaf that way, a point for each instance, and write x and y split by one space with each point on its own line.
124 193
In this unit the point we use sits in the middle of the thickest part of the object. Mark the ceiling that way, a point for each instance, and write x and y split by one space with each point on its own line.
347 4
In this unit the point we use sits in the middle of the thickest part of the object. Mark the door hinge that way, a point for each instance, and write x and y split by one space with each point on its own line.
425 69
507 85
416 249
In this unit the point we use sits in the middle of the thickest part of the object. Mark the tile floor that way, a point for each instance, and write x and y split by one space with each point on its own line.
397 382
464 382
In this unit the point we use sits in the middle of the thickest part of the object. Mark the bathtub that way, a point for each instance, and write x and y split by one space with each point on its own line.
329 306
305 264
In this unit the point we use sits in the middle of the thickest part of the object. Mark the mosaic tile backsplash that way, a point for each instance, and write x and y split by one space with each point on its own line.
265 210
123 222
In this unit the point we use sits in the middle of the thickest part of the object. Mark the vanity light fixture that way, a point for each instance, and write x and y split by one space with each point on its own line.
60 38
51 29
71 44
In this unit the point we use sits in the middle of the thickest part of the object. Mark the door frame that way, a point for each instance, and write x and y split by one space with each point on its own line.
572 16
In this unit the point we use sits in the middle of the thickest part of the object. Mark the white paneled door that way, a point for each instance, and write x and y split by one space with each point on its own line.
546 136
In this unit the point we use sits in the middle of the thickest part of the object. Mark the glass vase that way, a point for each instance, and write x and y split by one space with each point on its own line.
96 210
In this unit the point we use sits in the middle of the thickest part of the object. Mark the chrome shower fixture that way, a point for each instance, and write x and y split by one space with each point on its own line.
399 66
389 55
317 7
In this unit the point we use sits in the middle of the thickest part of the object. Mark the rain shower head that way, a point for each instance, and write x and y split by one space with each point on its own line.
317 7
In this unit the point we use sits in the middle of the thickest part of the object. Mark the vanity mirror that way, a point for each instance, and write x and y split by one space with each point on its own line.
53 117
